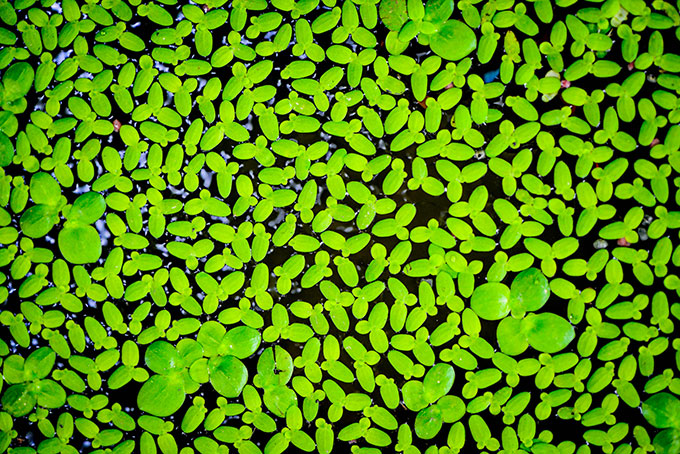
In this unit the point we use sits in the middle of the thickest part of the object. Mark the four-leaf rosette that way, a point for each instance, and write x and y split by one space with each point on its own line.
519 327
164 392
215 358
78 240
431 400
223 351
29 385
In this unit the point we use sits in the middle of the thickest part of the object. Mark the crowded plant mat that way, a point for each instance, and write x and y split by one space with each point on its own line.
362 226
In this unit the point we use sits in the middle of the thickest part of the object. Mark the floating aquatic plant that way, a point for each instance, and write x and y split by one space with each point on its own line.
359 226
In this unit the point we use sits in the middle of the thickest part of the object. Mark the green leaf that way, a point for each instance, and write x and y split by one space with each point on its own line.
242 341
428 422
511 340
667 441
212 138
490 301
210 337
454 41
37 221
393 13
162 357
50 394
548 333
304 243
438 10
6 150
87 208
414 395
80 245
39 363
17 81
45 189
18 400
161 395
438 381
662 410
529 290
279 399
228 375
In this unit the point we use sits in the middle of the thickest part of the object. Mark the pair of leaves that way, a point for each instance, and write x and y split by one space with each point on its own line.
275 369
547 333
437 382
494 300
79 242
31 386
228 374
430 399
37 221
529 292
164 393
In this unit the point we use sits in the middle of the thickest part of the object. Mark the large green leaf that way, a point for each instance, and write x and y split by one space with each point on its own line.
242 341
39 363
548 333
667 442
44 189
17 81
511 340
413 393
37 221
87 208
438 381
438 10
428 422
490 301
18 400
210 337
454 41
161 395
6 150
529 291
50 394
279 399
228 375
162 357
393 13
80 244
662 410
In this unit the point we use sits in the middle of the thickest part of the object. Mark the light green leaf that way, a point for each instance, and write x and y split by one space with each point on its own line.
490 301
228 375
80 244
454 41
438 381
548 333
662 410
428 422
161 395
